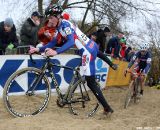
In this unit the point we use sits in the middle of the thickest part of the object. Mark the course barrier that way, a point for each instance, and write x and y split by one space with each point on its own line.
11 63
117 78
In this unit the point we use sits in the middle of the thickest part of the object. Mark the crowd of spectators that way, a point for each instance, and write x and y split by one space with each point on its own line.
116 46
32 34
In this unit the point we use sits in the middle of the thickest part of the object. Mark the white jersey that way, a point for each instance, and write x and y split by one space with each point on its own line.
82 42
83 39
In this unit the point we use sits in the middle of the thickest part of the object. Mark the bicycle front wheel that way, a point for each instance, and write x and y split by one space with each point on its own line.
82 100
137 90
26 92
129 95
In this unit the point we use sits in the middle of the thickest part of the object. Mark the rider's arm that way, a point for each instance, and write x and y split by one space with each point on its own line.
51 44
70 40
148 63
133 60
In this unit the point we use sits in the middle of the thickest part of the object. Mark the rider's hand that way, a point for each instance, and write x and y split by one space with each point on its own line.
114 66
50 52
33 50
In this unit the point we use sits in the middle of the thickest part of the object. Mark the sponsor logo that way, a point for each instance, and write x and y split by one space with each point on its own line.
62 75
100 71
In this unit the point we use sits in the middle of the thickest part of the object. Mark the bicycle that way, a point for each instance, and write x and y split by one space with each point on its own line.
35 96
133 89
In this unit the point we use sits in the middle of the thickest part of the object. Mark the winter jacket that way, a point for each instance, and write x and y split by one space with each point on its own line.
28 34
7 37
42 37
122 50
101 40
113 46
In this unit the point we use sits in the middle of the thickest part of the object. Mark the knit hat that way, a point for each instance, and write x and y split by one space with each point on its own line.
9 22
123 40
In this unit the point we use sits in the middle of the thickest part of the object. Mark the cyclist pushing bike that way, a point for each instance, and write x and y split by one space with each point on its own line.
74 36
141 63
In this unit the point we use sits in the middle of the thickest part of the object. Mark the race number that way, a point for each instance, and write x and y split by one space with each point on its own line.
68 30
84 37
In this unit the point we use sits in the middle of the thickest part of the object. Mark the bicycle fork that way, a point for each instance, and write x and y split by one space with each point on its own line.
34 84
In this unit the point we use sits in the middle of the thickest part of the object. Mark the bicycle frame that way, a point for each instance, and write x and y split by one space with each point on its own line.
136 79
133 88
48 65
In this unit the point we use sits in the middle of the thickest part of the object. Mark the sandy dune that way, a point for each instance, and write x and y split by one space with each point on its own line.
144 114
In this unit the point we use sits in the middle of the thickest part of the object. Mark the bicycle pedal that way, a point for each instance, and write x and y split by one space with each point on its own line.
30 93
61 102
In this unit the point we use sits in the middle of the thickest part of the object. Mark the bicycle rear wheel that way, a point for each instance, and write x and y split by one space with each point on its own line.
26 92
82 101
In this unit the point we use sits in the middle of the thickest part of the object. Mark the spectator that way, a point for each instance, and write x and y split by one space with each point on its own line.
93 36
29 30
150 82
46 33
102 55
101 38
8 38
128 50
113 47
131 54
123 48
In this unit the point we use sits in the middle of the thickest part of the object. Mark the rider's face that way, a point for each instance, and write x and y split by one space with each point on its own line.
143 52
53 20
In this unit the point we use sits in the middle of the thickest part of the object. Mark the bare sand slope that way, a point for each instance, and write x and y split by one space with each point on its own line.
144 114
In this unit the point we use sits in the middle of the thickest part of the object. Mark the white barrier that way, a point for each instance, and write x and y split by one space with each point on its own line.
11 63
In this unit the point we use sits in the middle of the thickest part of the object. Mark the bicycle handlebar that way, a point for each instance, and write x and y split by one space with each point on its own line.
136 73
42 54
30 55
77 69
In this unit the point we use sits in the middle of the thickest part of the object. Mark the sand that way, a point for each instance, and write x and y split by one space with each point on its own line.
144 114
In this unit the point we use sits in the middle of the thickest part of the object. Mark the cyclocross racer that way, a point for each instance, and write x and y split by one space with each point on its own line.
142 63
88 48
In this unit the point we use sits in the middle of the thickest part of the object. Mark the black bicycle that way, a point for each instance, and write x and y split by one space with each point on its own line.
36 92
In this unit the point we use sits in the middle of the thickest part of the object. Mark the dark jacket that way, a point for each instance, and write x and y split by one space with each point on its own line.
7 37
128 50
28 34
101 40
113 44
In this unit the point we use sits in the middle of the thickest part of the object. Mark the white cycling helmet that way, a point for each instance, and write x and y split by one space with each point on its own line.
144 46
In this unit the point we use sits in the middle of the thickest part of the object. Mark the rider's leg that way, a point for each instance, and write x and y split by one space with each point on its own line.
88 62
142 84
98 93
131 83
104 57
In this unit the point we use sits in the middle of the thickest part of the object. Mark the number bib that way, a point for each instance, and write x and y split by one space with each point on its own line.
81 36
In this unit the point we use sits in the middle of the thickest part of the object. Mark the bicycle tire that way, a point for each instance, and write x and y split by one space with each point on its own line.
136 87
129 95
84 102
20 104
